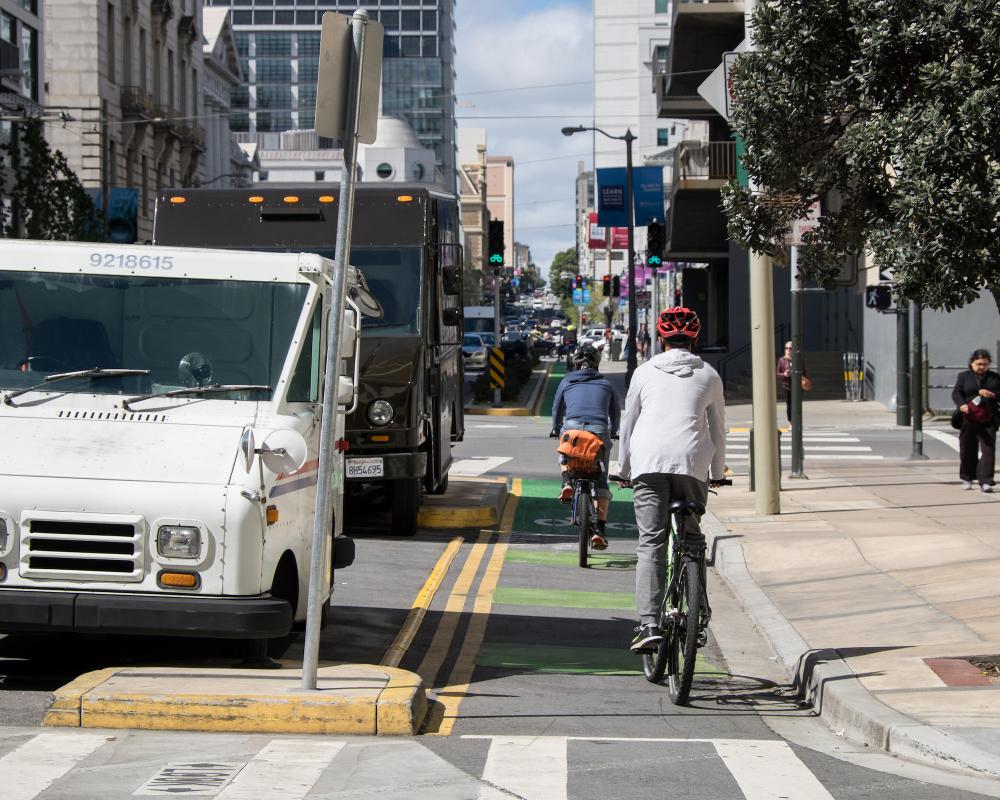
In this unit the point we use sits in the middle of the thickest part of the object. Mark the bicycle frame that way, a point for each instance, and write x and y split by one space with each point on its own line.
679 549
578 484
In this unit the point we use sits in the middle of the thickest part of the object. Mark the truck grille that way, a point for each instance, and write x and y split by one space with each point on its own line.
53 546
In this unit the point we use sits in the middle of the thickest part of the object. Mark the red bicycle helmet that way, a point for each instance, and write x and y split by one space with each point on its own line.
678 323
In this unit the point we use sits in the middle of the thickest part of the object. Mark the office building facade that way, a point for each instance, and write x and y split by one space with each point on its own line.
279 43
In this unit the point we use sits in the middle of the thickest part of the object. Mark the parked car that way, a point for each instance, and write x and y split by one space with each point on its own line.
474 351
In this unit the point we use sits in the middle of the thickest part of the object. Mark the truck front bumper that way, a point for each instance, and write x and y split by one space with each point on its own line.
24 610
395 466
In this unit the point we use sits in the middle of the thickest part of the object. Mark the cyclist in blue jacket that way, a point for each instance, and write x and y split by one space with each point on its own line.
586 401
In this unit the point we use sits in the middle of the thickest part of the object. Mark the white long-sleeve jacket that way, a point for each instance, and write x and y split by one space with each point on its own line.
674 419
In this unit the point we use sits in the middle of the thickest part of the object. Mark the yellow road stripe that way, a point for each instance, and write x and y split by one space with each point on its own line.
450 697
441 643
444 713
394 655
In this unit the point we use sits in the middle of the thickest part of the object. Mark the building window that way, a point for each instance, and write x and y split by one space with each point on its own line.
112 37
662 137
276 96
127 51
274 44
274 121
390 20
430 20
242 43
274 69
305 18
145 185
410 46
307 120
307 97
170 79
112 162
239 122
29 5
430 46
142 59
29 62
284 17
242 18
410 21
308 70
309 44
662 6
240 97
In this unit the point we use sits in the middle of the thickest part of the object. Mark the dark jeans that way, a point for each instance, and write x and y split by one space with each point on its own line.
788 403
974 437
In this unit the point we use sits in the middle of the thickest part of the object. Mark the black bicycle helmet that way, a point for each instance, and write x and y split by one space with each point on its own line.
586 355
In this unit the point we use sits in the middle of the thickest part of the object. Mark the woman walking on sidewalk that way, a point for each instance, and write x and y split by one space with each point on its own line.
975 394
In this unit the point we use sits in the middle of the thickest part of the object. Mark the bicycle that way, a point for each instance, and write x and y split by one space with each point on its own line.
686 613
584 509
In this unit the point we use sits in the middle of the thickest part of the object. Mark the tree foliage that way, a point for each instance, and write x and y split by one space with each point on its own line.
46 199
565 261
889 112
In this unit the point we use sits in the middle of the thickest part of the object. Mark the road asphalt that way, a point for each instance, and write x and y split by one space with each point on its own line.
533 692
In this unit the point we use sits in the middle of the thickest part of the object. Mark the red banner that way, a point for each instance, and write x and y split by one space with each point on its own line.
598 235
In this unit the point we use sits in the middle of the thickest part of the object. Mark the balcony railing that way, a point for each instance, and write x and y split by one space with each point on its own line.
166 120
136 103
705 161
192 136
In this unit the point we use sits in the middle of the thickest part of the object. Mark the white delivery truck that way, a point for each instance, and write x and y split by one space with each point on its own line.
159 415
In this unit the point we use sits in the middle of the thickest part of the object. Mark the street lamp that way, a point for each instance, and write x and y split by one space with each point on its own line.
628 138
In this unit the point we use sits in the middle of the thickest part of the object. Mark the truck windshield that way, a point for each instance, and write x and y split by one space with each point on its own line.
187 333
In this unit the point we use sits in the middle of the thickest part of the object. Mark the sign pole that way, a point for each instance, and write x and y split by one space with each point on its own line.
497 307
319 567
797 369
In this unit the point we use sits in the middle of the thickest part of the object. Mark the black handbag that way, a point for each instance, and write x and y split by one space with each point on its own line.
957 420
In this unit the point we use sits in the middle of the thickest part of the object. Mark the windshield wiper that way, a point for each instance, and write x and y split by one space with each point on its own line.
212 389
55 377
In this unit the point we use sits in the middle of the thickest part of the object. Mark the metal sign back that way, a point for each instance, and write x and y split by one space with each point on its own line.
334 82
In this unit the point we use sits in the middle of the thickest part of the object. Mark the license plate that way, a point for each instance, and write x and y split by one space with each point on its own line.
365 468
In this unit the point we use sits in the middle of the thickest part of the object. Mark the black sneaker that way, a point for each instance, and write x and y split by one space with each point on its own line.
647 639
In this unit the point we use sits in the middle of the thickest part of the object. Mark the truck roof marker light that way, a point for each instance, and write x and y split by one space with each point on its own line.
255 199
327 198
177 199
182 580
272 515
290 198
404 198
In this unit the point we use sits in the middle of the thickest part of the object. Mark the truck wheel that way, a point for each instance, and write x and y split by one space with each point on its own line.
442 487
405 505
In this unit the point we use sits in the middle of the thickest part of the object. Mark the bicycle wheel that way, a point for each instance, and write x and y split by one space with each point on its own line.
683 638
585 512
655 664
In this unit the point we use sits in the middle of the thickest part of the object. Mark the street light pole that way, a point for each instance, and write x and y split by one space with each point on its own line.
628 138
632 315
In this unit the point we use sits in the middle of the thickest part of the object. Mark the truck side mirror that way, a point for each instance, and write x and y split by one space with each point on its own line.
451 316
349 335
451 280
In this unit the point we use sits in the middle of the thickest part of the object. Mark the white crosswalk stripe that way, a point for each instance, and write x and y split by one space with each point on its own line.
817 446
477 465
526 767
38 763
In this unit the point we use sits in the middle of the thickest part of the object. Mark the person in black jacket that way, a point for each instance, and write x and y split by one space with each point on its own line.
975 394
586 401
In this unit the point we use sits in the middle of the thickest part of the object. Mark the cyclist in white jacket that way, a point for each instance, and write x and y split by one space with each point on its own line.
673 447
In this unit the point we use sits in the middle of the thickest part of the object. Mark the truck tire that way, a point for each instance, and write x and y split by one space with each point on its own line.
405 506
442 487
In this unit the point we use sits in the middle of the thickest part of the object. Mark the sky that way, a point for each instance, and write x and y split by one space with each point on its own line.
502 48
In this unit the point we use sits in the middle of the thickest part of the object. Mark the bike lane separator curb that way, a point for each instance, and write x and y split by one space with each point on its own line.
351 699
829 683
468 503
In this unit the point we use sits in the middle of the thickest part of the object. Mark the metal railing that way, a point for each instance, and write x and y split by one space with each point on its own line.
136 102
781 334
705 160
168 120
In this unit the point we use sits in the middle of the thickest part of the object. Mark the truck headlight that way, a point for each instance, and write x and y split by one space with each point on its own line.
380 412
178 541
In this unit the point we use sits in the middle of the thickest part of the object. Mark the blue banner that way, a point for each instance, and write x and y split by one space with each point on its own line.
578 297
647 196
647 189
611 210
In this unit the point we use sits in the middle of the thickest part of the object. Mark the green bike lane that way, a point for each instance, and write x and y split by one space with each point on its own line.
555 656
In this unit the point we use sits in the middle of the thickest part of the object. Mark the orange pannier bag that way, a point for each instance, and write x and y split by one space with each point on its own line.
583 451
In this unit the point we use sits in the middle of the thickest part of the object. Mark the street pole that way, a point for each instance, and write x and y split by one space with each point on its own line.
916 381
319 567
632 316
767 498
497 282
654 313
902 365
797 370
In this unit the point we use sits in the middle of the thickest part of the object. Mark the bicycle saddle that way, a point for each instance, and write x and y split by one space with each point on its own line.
687 505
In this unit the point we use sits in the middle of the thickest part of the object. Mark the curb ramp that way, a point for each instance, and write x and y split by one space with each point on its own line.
351 699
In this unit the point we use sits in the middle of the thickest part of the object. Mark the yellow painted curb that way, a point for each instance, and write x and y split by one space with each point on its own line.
398 708
520 411
456 517
64 711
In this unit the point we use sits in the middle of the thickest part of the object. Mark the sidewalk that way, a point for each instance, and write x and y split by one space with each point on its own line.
875 586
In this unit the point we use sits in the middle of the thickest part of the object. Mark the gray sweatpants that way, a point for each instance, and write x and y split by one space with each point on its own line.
653 493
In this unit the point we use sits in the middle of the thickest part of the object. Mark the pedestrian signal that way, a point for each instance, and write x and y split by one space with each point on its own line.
496 243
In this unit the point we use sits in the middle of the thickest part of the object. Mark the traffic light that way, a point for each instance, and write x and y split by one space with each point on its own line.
578 283
607 285
656 242
878 297
496 247
616 286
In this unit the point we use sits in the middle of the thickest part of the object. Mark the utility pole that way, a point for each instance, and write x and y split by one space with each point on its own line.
630 210
916 382
797 370
654 312
902 364
765 422
497 308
